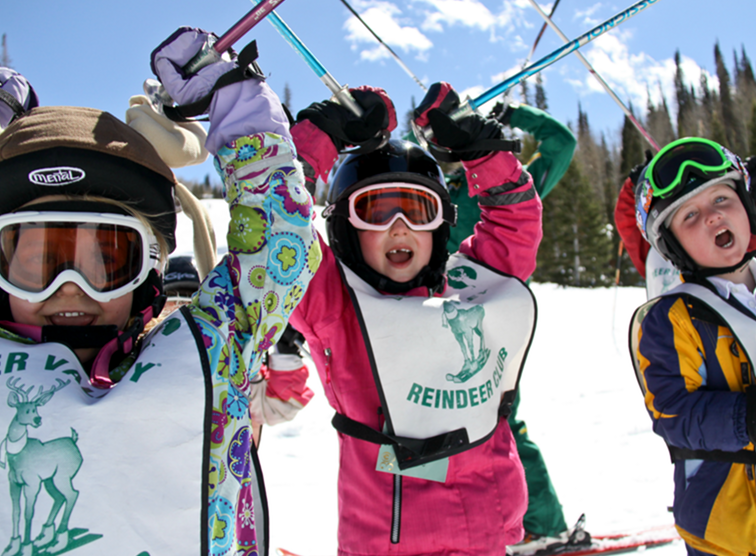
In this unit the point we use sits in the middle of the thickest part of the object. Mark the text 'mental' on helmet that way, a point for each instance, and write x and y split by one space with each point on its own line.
82 151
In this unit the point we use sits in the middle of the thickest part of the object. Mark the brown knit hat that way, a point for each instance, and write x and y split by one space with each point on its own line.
81 151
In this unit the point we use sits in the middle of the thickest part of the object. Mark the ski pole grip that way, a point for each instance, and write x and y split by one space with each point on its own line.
344 98
465 109
206 56
341 94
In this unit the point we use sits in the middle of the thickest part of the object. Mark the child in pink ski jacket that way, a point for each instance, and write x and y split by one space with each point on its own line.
420 352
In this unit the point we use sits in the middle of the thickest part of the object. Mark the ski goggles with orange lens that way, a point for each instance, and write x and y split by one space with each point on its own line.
670 169
377 207
106 255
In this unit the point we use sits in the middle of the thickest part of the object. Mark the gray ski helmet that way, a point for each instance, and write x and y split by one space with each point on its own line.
654 213
396 161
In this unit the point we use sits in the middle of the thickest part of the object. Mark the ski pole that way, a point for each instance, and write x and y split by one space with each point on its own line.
213 50
471 105
340 93
538 38
586 63
396 57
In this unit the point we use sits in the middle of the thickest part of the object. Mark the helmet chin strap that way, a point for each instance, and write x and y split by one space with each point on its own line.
703 273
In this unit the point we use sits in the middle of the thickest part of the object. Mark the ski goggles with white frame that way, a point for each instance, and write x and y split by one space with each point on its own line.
106 255
377 207
671 168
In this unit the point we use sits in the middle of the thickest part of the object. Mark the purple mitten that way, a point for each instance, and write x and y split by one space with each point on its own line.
168 59
17 96
239 109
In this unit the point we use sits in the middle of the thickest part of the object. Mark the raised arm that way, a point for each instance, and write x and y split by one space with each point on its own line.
273 250
509 230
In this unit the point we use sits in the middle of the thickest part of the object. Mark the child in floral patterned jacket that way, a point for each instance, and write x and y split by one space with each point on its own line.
143 443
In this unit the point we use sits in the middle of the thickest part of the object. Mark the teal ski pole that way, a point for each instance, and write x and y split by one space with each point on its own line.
340 93
471 105
604 84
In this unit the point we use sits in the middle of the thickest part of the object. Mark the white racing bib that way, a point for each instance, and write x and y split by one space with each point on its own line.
126 465
661 275
442 364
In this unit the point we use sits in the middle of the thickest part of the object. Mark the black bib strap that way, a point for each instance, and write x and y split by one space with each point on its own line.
742 456
247 69
410 452
76 337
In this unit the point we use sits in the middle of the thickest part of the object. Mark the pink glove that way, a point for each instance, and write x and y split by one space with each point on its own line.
243 108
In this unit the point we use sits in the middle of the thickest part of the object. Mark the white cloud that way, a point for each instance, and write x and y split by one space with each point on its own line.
406 25
586 15
633 77
468 13
385 19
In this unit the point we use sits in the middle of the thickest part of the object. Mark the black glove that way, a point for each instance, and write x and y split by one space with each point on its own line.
470 137
290 341
638 168
502 113
750 164
344 127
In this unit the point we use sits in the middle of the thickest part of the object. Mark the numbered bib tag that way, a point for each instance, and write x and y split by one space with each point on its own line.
433 471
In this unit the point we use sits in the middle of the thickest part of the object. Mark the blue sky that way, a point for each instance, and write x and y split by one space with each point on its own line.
96 52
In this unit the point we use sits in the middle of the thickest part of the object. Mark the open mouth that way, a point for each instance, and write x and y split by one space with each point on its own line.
71 318
723 239
399 256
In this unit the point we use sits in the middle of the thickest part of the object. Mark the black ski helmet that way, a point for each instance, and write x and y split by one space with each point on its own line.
396 161
654 213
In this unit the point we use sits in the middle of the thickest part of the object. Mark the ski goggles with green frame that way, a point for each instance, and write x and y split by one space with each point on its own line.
671 168
106 255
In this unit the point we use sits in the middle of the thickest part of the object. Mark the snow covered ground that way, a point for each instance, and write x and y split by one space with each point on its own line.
580 400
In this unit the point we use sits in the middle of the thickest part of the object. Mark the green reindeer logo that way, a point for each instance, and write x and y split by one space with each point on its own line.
32 464
465 324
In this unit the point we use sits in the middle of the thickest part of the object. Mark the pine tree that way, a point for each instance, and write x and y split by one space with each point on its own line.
752 140
632 147
658 121
733 128
540 94
745 97
287 97
524 92
409 116
686 107
5 60
576 246
708 106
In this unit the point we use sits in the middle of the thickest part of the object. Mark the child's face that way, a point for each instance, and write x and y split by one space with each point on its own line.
713 227
398 253
70 306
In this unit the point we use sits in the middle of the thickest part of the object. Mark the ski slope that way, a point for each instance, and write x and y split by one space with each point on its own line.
580 400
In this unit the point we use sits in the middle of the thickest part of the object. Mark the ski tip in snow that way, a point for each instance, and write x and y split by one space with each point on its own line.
578 542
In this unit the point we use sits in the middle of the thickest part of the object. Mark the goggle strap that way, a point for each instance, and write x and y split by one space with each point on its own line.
100 374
